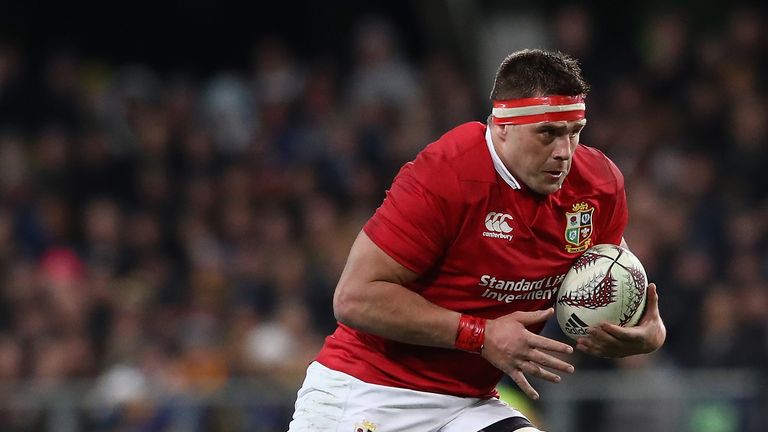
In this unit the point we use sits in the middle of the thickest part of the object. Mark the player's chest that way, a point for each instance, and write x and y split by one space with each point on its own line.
518 236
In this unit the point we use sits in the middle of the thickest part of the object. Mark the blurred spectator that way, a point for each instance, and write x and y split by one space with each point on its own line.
380 74
281 347
229 113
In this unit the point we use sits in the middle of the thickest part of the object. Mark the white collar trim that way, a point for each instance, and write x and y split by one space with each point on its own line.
498 164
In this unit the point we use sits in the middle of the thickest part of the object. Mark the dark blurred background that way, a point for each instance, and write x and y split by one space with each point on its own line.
180 184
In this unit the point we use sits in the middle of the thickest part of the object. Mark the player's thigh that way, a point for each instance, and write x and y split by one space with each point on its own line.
321 400
331 401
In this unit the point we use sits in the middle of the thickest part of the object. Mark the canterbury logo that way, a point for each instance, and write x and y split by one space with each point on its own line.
576 326
497 222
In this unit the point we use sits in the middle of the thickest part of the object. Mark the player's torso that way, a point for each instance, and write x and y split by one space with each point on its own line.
512 250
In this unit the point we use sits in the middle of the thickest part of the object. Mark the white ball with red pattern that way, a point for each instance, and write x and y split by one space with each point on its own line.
606 283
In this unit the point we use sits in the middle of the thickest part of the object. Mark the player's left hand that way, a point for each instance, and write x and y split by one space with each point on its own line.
611 340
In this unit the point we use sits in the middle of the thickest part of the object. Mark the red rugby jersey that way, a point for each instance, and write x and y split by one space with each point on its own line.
481 247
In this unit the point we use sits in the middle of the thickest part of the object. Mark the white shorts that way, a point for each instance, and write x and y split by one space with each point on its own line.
332 401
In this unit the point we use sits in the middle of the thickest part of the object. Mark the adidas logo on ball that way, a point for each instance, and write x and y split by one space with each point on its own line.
576 326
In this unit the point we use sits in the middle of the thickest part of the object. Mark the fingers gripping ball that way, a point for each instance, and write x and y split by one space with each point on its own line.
606 283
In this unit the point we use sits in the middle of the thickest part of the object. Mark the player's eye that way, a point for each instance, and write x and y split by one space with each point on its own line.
548 133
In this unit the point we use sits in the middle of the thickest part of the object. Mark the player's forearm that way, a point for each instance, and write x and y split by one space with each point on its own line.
395 312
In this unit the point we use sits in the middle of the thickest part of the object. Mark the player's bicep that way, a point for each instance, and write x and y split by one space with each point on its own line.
367 264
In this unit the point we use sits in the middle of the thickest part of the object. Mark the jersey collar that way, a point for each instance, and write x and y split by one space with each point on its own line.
498 164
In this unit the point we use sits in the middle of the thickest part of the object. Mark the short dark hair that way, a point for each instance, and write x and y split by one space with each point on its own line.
535 72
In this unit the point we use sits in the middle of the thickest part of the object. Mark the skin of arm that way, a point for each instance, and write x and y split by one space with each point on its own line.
371 297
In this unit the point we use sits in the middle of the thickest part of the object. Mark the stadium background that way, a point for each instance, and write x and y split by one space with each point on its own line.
180 184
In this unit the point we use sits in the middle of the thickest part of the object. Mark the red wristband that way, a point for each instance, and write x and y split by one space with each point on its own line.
470 335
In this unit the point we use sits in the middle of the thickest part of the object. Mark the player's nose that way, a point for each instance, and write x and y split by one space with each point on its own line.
562 149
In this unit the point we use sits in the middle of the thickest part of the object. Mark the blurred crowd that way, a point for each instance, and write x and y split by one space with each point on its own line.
163 233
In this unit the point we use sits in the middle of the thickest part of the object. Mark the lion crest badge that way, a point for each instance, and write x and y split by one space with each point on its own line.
578 227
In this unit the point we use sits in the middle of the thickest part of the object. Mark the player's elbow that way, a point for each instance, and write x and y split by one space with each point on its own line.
346 305
353 305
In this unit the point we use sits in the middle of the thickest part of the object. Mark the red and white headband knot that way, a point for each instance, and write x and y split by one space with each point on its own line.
538 109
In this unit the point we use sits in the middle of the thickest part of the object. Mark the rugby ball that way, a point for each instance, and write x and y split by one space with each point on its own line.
606 283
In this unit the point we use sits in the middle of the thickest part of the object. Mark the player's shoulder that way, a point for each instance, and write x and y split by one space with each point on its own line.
459 140
595 170
446 166
462 151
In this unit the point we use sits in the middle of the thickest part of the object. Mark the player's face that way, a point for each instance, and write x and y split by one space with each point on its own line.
540 154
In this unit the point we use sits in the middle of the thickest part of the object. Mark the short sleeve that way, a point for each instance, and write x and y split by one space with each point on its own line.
617 205
414 223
